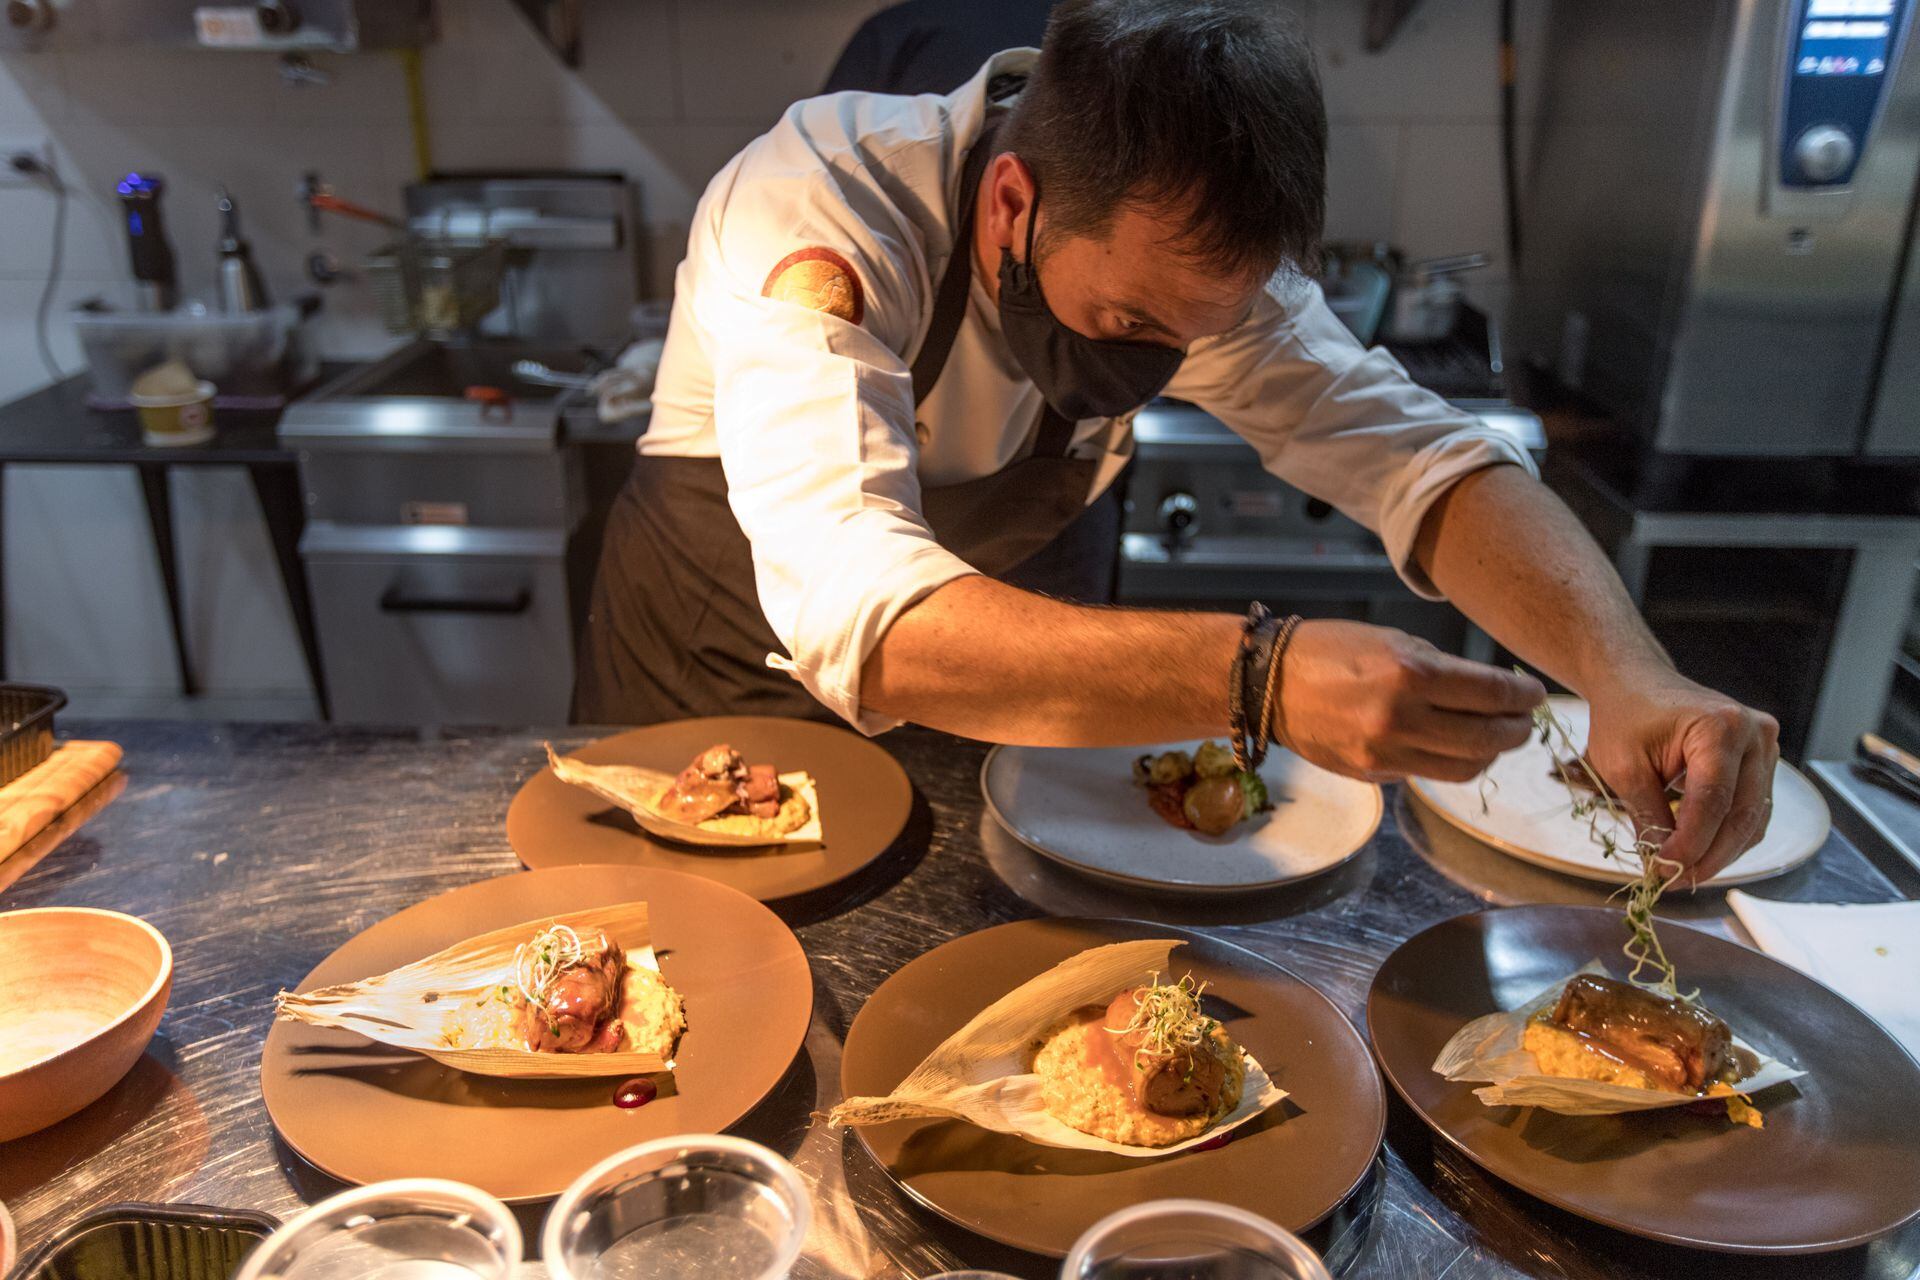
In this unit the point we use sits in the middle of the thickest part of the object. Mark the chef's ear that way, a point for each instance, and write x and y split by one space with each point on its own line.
1010 189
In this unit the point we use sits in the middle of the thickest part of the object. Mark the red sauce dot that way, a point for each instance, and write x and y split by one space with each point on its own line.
1216 1143
637 1092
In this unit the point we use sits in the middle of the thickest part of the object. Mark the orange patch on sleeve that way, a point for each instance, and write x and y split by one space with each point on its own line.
819 280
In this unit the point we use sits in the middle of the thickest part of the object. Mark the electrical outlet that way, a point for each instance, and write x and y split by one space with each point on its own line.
41 149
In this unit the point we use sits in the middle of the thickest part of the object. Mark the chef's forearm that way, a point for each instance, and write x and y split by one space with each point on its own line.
984 660
1514 559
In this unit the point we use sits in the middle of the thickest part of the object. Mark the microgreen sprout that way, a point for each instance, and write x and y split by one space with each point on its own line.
1595 801
1167 1017
537 962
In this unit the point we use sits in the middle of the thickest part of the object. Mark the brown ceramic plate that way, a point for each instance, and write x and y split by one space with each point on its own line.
864 802
363 1112
1837 1164
1293 1165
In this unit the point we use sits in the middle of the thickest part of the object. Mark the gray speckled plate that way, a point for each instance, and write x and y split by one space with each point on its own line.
1080 808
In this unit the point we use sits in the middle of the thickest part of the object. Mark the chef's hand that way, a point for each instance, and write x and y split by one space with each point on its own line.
1656 725
1375 703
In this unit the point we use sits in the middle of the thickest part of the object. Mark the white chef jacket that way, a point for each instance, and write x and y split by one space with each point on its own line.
813 417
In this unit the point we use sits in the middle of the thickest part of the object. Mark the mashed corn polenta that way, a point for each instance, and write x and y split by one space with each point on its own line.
1560 1052
1081 1095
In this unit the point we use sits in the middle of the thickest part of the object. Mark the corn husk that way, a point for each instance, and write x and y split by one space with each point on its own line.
980 1073
636 790
407 1007
1488 1048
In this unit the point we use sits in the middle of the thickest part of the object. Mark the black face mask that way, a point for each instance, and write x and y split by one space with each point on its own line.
1080 377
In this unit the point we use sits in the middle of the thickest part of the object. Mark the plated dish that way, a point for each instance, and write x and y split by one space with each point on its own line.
1110 813
1149 1069
856 796
1294 1160
1061 1061
1673 1167
718 799
364 1109
571 995
1201 790
1522 810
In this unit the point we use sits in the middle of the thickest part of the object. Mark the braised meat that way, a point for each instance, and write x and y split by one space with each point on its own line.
1188 1082
720 781
762 796
578 1008
1682 1047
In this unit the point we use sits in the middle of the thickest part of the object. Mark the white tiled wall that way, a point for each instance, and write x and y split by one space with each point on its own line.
670 89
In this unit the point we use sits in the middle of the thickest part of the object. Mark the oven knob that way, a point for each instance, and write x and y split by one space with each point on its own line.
1823 153
1179 515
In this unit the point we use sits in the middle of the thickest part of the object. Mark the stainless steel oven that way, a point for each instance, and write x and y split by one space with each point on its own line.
1207 527
441 546
1718 224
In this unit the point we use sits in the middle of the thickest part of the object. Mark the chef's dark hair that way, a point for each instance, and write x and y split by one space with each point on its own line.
1208 106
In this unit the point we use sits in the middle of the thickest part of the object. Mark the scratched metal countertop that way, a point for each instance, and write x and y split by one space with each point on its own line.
258 849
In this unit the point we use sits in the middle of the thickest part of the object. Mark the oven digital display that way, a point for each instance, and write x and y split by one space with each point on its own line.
1845 38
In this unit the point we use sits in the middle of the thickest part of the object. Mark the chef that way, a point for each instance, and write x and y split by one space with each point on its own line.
908 340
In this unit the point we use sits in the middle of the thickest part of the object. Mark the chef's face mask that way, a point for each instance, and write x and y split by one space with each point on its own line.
1080 377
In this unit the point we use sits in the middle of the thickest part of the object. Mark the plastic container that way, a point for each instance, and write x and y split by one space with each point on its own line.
695 1207
406 1229
168 422
26 727
257 360
1189 1240
150 1242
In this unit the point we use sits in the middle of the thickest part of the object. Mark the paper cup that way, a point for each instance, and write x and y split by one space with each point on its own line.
170 421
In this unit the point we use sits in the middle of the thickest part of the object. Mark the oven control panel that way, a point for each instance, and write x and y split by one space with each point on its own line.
1840 56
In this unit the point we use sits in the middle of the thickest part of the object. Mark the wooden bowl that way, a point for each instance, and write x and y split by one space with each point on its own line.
81 992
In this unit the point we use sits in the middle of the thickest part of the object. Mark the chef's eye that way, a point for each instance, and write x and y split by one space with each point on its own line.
1128 325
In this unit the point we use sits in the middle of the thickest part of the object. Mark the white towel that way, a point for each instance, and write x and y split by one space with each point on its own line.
1869 953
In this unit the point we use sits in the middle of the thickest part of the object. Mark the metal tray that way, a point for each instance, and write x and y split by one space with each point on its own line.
26 727
150 1242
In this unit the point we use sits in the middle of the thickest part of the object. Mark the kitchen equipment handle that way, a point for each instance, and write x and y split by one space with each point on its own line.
394 601
331 203
1876 748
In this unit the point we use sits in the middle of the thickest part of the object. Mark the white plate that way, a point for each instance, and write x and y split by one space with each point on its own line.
1081 808
1528 813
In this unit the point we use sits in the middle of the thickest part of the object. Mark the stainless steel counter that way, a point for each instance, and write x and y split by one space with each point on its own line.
258 849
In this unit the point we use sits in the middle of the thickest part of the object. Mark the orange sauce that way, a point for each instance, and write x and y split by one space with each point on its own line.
1103 1052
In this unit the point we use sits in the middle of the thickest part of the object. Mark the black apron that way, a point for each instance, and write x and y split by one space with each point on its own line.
675 627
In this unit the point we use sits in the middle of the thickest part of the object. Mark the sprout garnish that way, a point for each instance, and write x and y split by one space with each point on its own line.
1167 1017
536 963
1593 800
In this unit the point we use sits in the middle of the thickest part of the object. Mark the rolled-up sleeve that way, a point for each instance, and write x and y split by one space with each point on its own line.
815 421
1342 422
811 402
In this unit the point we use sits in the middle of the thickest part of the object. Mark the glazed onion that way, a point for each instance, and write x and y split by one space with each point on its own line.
1213 805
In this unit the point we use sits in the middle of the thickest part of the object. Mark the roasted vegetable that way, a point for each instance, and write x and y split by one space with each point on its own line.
1254 788
1166 769
1213 761
1215 805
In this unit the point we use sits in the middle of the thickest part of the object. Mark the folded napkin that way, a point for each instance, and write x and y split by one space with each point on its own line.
1869 953
41 794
